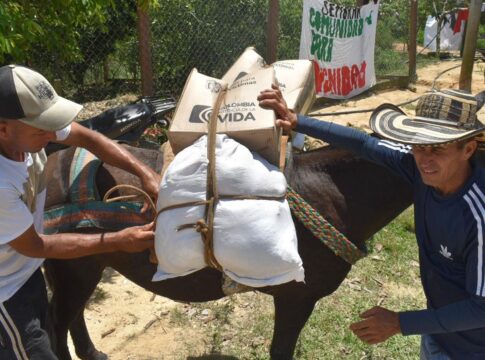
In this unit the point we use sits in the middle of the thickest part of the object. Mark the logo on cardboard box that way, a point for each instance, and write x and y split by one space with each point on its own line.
202 114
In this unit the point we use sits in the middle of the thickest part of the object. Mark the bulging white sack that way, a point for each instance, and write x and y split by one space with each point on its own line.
254 240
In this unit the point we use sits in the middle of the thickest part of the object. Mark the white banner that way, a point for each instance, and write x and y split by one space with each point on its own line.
340 42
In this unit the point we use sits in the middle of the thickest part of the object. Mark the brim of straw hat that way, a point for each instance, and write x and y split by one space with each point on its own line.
390 122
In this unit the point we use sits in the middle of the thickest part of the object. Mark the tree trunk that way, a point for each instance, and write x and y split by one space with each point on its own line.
272 31
145 53
413 29
470 44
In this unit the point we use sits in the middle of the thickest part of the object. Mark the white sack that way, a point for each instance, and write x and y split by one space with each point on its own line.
254 240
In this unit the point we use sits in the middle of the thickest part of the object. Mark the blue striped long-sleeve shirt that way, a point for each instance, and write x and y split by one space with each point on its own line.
450 235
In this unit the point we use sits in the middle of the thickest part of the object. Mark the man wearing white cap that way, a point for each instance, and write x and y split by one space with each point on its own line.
434 152
31 115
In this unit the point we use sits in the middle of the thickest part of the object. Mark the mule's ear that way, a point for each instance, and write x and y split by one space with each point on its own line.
480 99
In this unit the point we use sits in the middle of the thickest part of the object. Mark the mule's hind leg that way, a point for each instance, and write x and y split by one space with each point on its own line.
85 348
291 314
72 283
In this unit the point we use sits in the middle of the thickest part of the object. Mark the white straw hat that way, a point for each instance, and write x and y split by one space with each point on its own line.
441 117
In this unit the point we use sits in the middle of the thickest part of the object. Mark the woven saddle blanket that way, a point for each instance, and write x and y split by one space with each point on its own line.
86 209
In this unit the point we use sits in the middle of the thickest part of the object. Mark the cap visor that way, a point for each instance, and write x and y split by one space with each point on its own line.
57 117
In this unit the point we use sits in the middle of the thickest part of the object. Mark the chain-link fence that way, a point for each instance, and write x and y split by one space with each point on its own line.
208 35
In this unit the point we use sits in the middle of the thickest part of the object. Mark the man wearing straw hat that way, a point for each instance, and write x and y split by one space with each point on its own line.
434 152
31 115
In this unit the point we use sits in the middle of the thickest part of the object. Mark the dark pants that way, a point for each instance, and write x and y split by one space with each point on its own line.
23 318
430 350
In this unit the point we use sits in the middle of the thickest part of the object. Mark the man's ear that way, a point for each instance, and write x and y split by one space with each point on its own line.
3 129
470 148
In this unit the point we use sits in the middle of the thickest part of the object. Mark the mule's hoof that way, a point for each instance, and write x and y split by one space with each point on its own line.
94 355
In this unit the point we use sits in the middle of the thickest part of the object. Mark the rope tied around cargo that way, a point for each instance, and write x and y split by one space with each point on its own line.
305 213
205 226
212 195
322 229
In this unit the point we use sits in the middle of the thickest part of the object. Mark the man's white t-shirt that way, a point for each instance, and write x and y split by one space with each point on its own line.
22 199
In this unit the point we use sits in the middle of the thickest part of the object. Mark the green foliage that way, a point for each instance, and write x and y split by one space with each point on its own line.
386 59
98 41
289 29
92 42
218 33
51 25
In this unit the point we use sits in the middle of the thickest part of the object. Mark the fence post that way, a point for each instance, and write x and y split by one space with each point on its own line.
272 31
474 12
413 29
144 52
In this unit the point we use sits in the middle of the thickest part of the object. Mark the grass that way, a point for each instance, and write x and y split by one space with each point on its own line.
389 277
241 326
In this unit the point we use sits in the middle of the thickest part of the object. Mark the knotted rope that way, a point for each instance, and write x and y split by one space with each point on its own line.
205 226
305 213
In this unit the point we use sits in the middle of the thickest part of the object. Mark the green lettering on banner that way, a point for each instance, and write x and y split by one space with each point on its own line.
330 50
321 47
341 27
338 27
335 22
349 30
354 27
325 25
312 17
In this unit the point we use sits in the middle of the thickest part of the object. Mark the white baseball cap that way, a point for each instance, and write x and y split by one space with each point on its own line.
27 96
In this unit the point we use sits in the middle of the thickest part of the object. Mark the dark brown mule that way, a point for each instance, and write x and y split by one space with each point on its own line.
357 197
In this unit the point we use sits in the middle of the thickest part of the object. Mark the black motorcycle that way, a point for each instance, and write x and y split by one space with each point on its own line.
126 124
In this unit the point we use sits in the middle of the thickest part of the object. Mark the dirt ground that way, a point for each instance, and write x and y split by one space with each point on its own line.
127 322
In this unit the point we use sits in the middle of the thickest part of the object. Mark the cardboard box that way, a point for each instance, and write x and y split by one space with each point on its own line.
296 81
240 115
295 78
249 61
